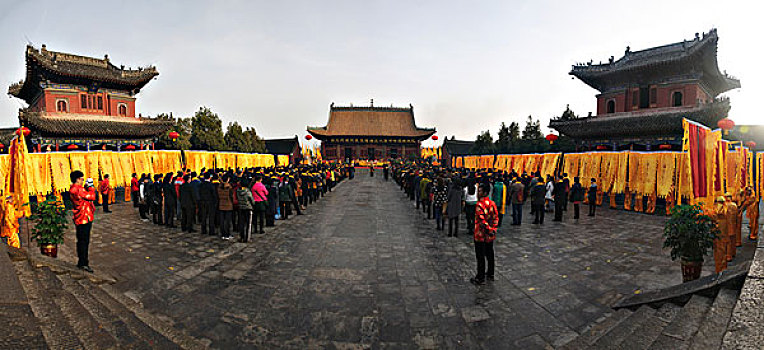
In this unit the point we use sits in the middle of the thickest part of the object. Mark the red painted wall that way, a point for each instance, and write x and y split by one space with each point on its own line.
692 93
48 103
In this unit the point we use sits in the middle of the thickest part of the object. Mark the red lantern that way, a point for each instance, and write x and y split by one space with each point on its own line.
308 137
72 146
551 138
751 144
664 147
24 130
174 135
130 147
2 146
435 137
726 124
602 147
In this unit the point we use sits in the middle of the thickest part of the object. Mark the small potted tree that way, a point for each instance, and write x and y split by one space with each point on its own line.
690 234
50 224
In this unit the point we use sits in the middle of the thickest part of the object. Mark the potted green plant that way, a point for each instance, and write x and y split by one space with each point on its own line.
50 224
690 234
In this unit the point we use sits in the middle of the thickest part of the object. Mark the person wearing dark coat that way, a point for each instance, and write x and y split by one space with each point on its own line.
538 197
156 199
560 199
188 202
225 206
273 201
208 199
170 200
576 196
454 205
592 194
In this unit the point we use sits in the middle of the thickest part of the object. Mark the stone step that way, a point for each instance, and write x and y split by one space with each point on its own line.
616 335
58 333
91 334
678 334
597 330
101 314
651 328
148 334
714 326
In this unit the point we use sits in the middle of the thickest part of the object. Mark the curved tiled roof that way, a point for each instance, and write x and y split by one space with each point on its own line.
702 49
79 125
59 67
371 121
650 122
281 146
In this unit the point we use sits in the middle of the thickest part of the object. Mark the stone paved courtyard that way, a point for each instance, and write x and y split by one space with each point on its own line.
363 268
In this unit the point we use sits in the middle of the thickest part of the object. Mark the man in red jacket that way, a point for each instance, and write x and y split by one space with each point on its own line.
134 188
104 188
486 224
84 210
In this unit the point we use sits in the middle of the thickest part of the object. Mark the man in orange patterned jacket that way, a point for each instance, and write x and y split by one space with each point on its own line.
84 210
486 223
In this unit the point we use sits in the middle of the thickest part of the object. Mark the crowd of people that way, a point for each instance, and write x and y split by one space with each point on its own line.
224 201
443 194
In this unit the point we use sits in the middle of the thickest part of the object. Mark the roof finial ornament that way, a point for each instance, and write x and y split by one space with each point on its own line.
697 36
611 59
628 50
372 102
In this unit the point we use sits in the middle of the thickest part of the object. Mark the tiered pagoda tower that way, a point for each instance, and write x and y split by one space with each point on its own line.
645 94
371 133
77 102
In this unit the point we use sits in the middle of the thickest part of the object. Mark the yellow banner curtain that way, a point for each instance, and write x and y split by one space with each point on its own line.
621 173
41 183
197 160
485 162
548 164
127 168
459 162
4 173
141 163
60 170
570 164
105 165
665 175
760 174
283 160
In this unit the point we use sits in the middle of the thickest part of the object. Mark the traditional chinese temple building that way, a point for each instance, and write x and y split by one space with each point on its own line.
371 133
453 149
644 95
286 147
77 102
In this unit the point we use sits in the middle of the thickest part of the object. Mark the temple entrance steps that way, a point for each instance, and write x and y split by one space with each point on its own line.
693 315
75 313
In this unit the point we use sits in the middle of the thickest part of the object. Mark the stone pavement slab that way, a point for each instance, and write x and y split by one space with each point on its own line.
363 269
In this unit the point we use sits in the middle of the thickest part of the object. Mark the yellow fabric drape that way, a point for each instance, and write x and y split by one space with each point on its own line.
4 173
619 182
41 184
283 160
665 176
60 170
105 164
570 164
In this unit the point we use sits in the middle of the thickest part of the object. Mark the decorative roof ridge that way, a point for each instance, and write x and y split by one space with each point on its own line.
371 107
687 46
52 57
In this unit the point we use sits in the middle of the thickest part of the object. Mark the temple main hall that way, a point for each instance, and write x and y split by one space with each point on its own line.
370 133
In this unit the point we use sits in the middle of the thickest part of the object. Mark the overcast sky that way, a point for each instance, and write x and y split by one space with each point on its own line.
466 66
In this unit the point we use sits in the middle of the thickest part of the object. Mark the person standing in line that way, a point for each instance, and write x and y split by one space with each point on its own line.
498 196
145 198
576 196
178 181
440 196
385 172
225 206
170 200
559 199
517 197
549 196
566 185
529 188
82 198
134 188
721 242
157 200
486 224
260 195
592 197
425 186
454 206
752 212
208 198
273 199
470 201
284 198
538 196
246 203
104 188
732 216
188 202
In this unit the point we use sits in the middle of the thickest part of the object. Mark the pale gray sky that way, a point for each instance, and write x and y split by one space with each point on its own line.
466 66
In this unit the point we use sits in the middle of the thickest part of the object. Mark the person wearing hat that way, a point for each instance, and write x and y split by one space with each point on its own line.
82 198
731 217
